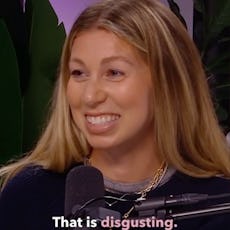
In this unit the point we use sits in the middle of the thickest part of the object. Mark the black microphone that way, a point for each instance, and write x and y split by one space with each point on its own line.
83 183
148 207
84 198
170 201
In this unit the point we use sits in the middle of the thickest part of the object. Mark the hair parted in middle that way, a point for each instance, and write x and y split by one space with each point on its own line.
183 110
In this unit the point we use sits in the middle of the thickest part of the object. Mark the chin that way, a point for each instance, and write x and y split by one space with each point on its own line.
102 144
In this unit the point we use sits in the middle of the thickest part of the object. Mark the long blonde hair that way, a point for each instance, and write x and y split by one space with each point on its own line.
187 133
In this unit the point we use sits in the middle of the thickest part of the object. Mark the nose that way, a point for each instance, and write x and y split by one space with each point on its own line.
94 93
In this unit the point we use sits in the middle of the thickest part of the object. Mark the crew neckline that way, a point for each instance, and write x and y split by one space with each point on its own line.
132 187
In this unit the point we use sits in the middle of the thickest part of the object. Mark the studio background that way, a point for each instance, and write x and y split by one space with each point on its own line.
32 34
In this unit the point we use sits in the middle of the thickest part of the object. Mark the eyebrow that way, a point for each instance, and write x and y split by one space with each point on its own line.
117 58
105 60
76 60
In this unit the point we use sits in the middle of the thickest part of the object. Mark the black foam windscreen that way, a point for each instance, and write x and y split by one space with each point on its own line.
83 183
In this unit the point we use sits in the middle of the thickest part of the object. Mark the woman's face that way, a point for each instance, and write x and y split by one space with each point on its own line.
109 91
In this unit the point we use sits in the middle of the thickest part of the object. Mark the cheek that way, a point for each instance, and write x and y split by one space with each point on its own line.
73 96
138 98
142 105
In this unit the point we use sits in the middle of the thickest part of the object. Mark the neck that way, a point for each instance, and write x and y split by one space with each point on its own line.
127 165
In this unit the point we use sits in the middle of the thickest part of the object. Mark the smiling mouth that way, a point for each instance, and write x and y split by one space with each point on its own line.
102 119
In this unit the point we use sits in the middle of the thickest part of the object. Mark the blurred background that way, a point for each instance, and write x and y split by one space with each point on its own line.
32 34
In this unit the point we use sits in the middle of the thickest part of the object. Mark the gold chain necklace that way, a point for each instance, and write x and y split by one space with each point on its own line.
155 181
143 193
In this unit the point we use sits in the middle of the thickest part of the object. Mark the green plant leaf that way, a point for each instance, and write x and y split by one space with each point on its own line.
213 40
224 39
226 86
221 69
223 92
220 60
46 41
220 20
222 113
199 5
10 98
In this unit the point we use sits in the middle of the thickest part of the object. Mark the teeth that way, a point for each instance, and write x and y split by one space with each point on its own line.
98 120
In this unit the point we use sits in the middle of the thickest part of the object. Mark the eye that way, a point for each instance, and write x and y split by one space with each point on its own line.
78 74
114 73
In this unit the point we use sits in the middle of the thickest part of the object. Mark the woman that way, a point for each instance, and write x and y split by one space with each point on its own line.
132 101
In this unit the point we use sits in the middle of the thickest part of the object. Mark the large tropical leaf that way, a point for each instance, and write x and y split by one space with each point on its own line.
220 20
10 98
220 64
46 41
212 27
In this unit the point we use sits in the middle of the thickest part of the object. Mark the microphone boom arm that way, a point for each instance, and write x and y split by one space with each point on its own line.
212 210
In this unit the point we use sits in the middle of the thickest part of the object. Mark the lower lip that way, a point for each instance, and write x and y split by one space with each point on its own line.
101 128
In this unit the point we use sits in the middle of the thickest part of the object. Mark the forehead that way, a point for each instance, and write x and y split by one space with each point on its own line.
100 41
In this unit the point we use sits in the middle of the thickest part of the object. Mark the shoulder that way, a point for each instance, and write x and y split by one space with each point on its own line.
35 194
210 185
218 187
33 178
31 185
181 183
35 182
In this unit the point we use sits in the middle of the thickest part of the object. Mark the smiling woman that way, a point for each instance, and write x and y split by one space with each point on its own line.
104 102
131 101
